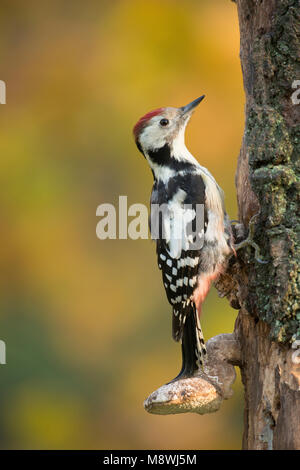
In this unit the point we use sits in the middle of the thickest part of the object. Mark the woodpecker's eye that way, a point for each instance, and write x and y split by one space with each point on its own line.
164 122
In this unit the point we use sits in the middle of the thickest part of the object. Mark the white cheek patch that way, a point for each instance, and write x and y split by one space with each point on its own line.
154 135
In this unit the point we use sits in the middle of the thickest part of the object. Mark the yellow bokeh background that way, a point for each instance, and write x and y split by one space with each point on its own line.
86 322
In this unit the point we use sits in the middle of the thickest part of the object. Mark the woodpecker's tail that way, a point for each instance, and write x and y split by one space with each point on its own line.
192 345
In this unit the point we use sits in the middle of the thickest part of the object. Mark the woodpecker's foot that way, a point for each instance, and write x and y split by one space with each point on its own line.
250 242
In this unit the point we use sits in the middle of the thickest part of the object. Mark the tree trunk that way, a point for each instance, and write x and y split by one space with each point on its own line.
267 183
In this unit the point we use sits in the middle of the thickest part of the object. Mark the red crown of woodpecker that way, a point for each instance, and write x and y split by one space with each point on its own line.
142 122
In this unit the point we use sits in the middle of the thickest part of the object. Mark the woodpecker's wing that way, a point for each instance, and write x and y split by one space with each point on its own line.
179 249
180 281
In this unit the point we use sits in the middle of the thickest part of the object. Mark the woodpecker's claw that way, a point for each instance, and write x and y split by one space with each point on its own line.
249 241
254 245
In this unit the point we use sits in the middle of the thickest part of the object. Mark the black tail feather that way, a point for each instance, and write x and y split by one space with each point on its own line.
192 345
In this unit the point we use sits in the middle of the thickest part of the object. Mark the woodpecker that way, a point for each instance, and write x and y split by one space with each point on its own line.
188 268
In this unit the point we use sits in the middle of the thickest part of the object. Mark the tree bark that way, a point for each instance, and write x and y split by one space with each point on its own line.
267 183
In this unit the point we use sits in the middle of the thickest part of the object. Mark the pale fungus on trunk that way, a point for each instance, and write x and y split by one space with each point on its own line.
205 391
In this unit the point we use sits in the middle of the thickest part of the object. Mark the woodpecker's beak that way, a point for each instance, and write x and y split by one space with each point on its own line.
191 106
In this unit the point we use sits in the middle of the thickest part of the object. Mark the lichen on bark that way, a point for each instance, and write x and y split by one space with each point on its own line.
272 139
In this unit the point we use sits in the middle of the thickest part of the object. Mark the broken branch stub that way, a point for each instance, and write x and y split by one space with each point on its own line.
205 391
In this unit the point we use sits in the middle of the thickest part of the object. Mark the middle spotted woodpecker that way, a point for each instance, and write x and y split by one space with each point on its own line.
188 268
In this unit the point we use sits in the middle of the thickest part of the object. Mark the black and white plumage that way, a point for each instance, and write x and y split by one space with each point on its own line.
189 258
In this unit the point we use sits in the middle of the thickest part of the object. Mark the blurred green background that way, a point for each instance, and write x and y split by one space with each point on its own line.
86 322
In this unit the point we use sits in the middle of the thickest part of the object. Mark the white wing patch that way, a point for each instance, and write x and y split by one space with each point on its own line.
175 225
